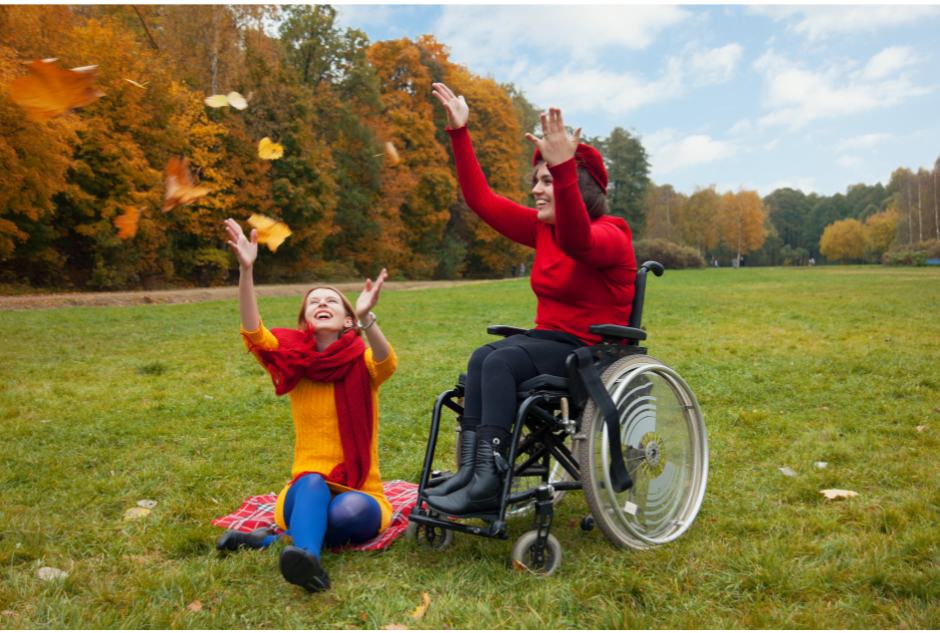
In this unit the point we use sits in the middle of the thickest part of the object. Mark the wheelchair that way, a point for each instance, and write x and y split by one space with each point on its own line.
623 427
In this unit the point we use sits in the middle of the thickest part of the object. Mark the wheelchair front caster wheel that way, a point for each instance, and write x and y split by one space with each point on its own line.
587 524
429 536
524 552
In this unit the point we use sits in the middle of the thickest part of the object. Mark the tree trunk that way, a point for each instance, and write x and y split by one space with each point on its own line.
910 216
936 212
920 208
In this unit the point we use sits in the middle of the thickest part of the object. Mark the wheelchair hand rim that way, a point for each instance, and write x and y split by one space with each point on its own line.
687 514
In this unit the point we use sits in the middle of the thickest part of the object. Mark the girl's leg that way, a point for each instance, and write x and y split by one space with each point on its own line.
305 511
473 390
353 517
503 371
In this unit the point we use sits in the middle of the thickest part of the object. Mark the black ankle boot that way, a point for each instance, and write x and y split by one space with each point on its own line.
234 540
482 494
468 458
300 567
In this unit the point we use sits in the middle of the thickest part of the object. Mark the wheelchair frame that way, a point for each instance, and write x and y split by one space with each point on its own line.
545 439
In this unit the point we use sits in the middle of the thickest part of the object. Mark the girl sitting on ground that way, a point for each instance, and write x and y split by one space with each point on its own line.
335 495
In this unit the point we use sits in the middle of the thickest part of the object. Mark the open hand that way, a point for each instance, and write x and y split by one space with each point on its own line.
458 113
245 249
556 146
369 296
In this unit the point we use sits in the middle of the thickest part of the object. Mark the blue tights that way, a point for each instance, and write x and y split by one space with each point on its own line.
315 518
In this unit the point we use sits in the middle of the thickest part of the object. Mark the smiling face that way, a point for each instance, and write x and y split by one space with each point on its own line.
326 311
544 194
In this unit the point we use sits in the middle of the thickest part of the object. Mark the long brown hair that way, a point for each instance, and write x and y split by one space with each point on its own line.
595 198
347 307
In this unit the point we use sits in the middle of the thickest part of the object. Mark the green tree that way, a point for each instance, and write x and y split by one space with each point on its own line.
628 176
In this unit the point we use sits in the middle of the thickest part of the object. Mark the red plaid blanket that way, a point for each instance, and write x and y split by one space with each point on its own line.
258 512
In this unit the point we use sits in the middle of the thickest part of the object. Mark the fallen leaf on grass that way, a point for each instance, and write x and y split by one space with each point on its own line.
395 627
421 609
51 573
825 408
839 494
520 566
147 503
937 409
10 614
112 473
135 513
821 464
195 606
920 429
788 472
779 502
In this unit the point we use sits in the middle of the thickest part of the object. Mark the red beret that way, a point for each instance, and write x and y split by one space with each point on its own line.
589 158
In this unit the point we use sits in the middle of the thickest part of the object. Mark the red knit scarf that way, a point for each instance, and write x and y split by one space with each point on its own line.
343 363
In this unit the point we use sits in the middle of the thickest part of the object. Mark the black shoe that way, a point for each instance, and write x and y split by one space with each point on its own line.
300 567
482 495
468 457
234 540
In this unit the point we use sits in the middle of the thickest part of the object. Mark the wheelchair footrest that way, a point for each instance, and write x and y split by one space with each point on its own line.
495 529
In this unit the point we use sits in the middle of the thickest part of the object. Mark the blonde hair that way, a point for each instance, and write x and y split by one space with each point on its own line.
347 307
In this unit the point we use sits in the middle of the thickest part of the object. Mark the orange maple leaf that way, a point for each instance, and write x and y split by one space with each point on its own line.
180 188
127 223
49 90
270 232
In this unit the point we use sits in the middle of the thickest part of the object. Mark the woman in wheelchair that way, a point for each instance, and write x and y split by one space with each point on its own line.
583 274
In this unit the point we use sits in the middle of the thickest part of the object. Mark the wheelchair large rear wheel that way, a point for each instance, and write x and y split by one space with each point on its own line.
665 449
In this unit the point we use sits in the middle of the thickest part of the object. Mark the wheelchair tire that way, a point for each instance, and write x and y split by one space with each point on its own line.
430 537
522 553
662 422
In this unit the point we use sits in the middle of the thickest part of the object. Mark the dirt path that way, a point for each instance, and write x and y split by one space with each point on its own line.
198 295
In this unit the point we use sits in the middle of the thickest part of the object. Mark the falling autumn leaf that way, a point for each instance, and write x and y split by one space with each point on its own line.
195 606
180 187
270 232
250 95
237 101
269 150
50 90
147 503
144 85
127 224
135 513
421 609
217 101
838 494
51 573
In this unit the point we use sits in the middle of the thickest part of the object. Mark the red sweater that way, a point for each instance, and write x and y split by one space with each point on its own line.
584 270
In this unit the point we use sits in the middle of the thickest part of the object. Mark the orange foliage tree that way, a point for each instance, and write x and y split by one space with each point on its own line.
741 220
843 240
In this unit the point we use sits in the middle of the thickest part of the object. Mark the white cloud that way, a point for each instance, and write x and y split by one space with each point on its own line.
888 61
797 96
489 35
772 144
668 154
741 127
818 22
715 66
863 142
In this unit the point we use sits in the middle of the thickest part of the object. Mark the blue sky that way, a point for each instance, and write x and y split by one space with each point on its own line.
812 97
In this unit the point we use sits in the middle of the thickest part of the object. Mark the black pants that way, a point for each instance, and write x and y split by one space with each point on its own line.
490 392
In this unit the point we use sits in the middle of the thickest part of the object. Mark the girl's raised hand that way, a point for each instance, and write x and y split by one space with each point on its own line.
458 113
369 296
556 146
245 249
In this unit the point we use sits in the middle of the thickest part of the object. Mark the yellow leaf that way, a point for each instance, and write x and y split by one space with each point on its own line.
217 101
395 627
181 189
144 86
392 153
839 494
270 232
268 150
421 609
135 513
236 101
195 606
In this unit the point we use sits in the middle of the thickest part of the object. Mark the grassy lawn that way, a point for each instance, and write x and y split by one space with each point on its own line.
101 407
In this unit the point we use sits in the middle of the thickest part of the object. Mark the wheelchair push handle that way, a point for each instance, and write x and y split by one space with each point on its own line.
636 312
655 267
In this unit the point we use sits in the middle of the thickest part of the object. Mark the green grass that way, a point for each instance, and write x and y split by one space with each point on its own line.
791 366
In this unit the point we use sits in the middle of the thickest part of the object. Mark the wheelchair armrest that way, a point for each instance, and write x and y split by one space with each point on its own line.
609 331
505 330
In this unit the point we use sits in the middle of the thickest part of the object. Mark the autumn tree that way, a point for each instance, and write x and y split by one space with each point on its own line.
700 212
880 231
843 240
741 220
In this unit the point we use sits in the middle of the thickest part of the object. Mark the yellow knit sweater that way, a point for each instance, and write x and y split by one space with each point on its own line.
318 447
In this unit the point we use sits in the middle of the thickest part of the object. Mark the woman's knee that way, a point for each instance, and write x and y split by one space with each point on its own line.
505 361
478 357
352 507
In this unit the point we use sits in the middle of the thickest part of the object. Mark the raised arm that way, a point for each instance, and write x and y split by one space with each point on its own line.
367 300
512 220
247 252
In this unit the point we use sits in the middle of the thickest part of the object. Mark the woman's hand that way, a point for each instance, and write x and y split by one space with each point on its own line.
369 296
457 111
245 249
555 144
